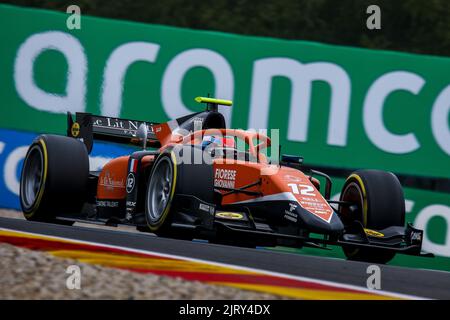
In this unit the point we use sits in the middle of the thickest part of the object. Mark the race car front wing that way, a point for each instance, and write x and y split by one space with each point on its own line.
199 216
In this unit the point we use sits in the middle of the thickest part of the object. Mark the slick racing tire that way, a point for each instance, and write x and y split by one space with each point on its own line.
54 178
160 193
170 177
381 204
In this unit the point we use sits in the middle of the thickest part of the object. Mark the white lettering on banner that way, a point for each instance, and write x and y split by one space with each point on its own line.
71 48
439 120
421 222
10 171
409 205
177 69
301 77
116 67
373 111
2 146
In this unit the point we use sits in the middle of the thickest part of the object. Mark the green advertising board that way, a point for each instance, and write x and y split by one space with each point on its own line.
336 106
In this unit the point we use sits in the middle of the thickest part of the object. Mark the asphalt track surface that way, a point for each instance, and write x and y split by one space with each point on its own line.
416 282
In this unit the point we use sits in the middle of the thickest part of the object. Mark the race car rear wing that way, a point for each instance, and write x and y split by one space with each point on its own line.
88 127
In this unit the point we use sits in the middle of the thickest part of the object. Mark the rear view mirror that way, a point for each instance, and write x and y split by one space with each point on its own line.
142 133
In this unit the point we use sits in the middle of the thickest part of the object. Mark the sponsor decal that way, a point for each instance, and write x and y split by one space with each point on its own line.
206 208
225 178
230 215
129 211
107 204
290 214
121 125
131 181
416 236
75 130
131 204
110 183
310 199
292 178
321 210
198 123
292 207
373 233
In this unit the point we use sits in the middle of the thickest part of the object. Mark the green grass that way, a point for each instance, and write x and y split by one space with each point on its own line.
436 263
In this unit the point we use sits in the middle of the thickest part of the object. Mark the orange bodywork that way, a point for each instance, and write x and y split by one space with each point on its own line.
276 183
112 179
272 182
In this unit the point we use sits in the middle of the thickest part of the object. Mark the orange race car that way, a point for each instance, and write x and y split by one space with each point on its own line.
201 180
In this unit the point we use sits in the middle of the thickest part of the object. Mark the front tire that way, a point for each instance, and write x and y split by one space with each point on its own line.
160 193
381 204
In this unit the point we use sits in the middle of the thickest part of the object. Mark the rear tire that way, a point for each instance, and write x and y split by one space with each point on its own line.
379 196
54 178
